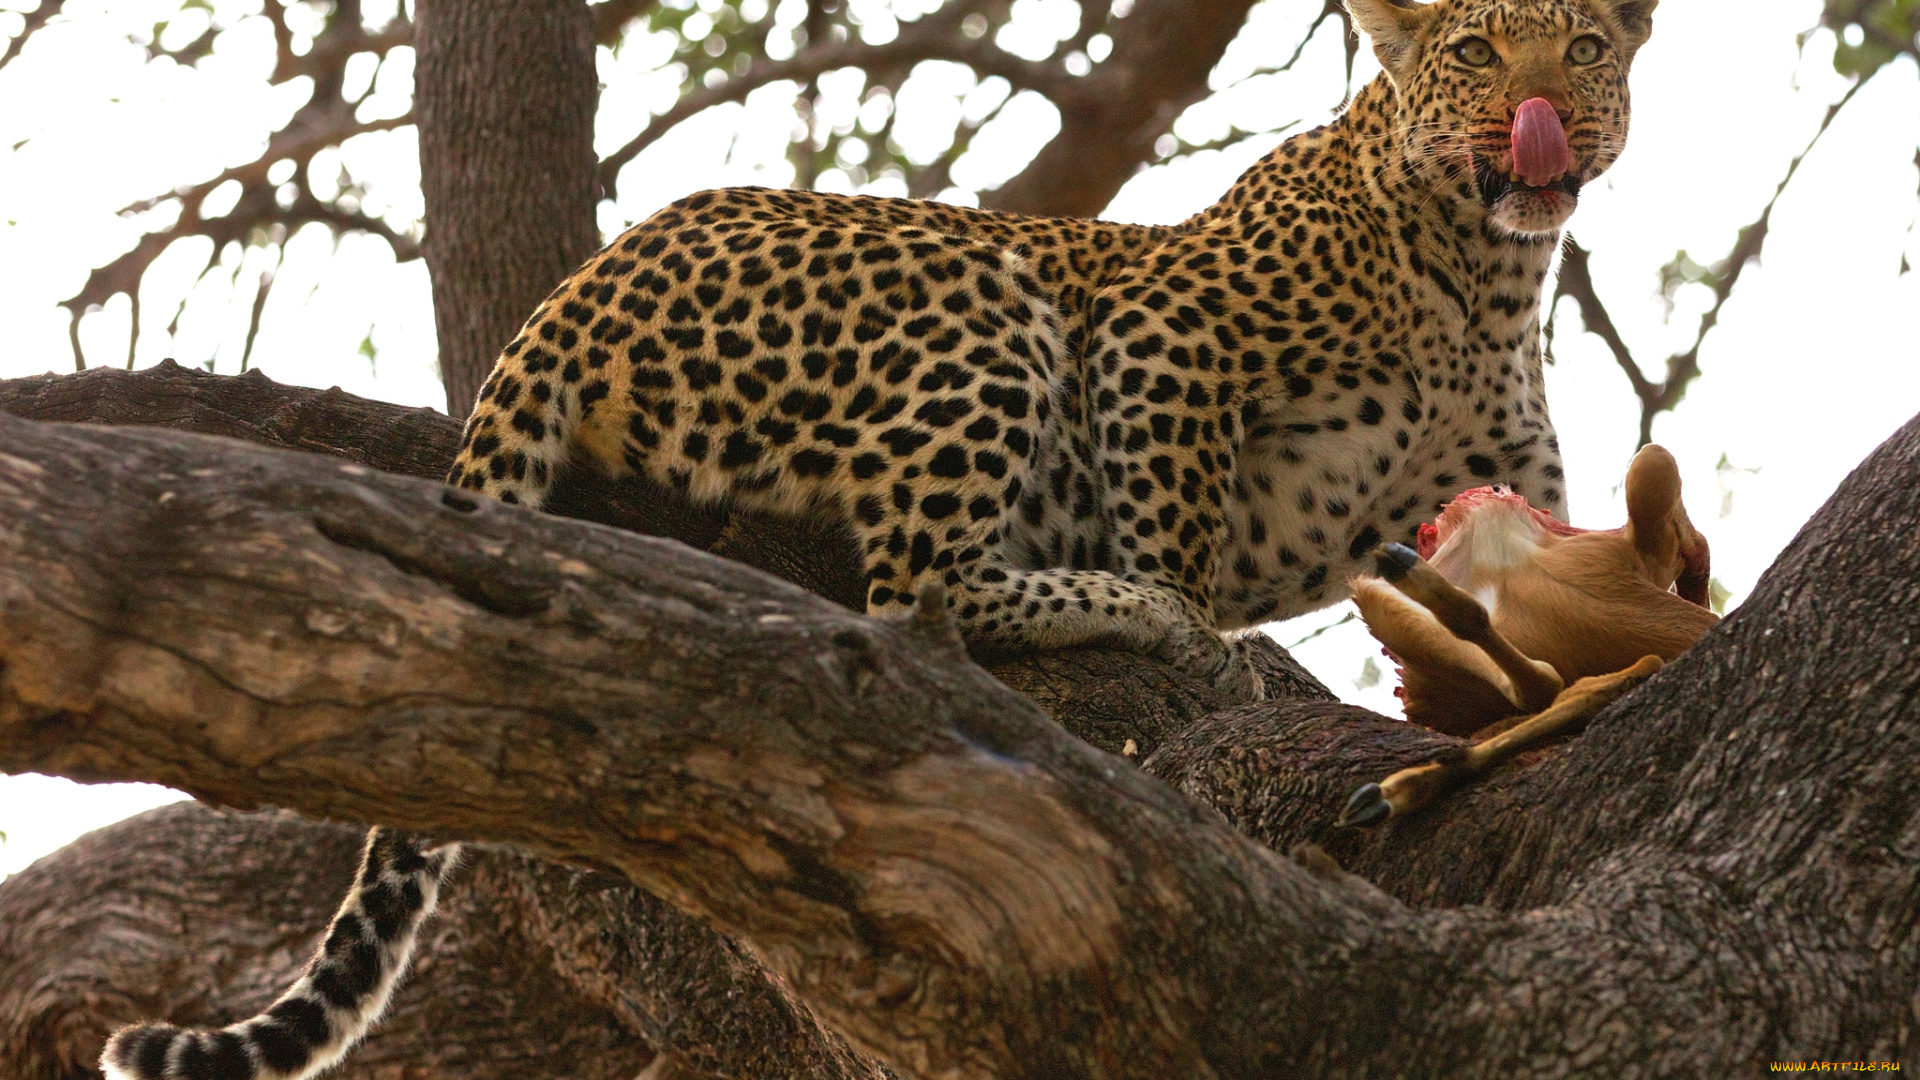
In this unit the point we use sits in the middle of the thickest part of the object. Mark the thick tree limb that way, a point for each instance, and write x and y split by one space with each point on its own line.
937 870
530 969
505 94
1103 696
669 981
252 407
667 978
857 865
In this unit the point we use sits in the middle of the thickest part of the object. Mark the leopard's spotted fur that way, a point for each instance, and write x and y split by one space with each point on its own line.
1093 431
1086 431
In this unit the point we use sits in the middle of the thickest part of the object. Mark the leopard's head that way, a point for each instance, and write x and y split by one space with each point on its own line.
1516 102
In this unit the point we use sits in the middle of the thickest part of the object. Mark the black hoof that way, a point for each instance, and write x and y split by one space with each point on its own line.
1393 561
1365 809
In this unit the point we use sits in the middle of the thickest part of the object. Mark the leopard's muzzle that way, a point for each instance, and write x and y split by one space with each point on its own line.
1495 185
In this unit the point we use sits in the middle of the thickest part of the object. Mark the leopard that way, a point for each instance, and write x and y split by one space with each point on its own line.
1069 432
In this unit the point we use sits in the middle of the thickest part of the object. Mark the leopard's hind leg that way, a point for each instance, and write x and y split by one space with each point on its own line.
520 431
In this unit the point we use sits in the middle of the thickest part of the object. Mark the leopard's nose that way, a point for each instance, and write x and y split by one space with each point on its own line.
1532 79
1562 108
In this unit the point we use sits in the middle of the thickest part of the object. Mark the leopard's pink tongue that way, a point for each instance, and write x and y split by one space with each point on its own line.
1540 154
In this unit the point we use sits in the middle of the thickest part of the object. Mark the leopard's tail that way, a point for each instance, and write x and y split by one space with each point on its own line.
340 995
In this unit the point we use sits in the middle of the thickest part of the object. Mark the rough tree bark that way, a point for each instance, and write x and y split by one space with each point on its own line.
86 966
1103 696
1720 872
504 95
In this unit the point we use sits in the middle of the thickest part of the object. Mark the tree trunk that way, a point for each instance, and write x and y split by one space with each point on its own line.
504 96
1720 872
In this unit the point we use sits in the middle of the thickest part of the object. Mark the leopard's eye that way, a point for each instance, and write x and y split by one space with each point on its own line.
1475 52
1584 50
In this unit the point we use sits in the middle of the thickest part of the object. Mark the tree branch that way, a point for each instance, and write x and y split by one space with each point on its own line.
932 37
886 880
1329 9
1163 52
667 978
937 870
1576 280
327 119
258 208
35 19
1683 367
1106 697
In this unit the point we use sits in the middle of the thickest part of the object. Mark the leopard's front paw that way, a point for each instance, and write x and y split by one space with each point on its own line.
1241 677
1226 664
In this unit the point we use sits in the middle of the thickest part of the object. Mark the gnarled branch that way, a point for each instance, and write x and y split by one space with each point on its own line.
937 870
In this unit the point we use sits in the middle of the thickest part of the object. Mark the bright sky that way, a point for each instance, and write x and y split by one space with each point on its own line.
1814 362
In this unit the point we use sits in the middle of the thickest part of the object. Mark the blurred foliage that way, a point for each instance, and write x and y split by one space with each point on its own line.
1683 270
336 47
718 51
846 62
725 49
1872 34
719 46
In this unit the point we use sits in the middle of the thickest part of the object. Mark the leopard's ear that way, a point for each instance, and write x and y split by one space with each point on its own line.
1394 26
1632 21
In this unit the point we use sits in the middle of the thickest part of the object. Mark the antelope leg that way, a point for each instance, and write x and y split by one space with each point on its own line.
1410 789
